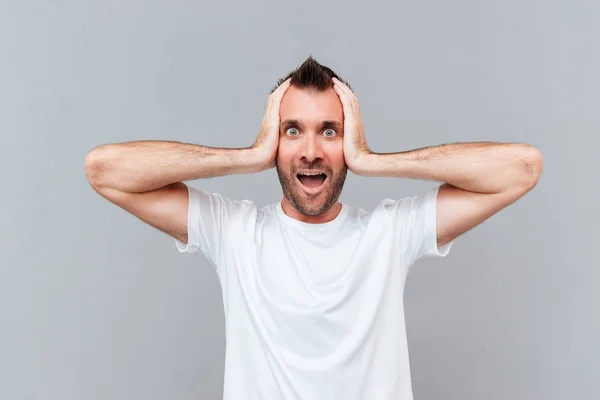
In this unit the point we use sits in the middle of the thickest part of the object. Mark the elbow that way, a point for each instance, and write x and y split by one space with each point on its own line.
533 165
96 166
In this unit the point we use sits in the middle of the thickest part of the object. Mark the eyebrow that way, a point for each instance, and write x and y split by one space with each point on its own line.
335 124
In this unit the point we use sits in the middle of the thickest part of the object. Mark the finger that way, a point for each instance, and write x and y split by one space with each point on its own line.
346 102
279 92
282 88
277 95
343 86
352 99
275 102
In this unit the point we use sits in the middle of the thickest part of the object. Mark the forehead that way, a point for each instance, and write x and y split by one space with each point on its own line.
305 105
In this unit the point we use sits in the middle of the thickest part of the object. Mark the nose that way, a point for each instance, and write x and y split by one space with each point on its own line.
312 148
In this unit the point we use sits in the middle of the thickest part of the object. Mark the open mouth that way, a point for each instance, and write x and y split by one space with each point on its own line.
312 180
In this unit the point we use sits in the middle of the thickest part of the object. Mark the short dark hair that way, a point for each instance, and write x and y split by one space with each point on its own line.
311 75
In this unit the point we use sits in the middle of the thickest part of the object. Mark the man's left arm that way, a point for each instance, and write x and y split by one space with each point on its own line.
479 179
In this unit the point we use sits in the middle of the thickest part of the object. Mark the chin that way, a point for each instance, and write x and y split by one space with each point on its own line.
311 210
311 201
312 205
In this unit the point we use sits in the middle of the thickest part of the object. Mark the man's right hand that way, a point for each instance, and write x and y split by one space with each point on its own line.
267 142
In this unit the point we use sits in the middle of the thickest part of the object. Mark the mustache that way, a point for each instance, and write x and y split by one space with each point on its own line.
316 166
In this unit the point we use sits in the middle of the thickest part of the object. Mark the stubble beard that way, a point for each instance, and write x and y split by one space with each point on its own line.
292 190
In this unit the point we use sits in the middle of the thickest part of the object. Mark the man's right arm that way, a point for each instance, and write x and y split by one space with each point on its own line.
146 178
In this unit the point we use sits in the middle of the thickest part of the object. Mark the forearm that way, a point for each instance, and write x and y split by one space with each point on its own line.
483 167
147 165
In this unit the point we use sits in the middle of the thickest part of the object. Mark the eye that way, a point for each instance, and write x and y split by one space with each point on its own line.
332 131
292 129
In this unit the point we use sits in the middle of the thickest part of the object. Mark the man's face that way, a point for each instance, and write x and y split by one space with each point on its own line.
311 142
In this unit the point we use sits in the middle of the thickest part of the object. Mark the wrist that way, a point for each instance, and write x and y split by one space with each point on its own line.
363 163
259 159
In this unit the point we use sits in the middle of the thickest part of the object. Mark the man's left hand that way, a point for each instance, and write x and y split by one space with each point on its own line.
355 144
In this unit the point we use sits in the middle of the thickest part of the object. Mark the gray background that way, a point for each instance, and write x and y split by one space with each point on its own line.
96 305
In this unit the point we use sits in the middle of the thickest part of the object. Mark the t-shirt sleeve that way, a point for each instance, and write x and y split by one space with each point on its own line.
416 217
208 217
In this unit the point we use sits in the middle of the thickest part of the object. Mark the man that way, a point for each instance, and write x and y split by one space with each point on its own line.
313 288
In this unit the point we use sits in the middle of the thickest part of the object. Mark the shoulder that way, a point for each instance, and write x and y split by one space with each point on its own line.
207 205
407 210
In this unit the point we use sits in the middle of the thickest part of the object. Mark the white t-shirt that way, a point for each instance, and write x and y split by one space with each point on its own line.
314 311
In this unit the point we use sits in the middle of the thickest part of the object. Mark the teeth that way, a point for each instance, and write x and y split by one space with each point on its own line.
311 174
